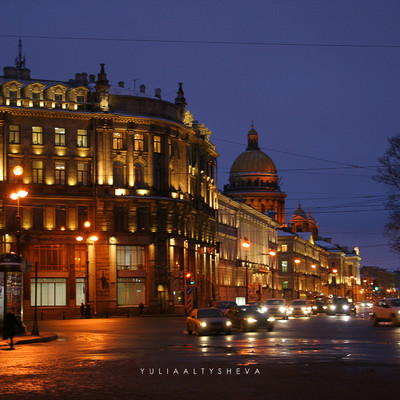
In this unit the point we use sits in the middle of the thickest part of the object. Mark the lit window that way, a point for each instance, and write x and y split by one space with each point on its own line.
118 141
37 135
60 173
139 143
139 179
37 171
82 138
284 266
285 285
59 136
284 248
82 173
13 135
157 144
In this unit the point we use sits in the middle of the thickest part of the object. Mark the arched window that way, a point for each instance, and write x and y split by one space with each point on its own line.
118 173
139 175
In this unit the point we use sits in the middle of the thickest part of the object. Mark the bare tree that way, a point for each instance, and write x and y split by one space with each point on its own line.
389 175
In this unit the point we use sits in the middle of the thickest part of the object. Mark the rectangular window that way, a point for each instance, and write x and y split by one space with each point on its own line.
59 136
37 171
285 285
60 173
37 135
13 97
118 141
61 217
131 291
80 99
157 144
120 219
82 173
130 258
284 248
80 257
50 292
82 138
13 135
80 291
49 257
82 216
284 266
37 218
139 142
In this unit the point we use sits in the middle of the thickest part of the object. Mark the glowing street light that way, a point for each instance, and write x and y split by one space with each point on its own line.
246 246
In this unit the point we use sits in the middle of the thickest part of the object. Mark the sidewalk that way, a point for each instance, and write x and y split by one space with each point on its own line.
27 338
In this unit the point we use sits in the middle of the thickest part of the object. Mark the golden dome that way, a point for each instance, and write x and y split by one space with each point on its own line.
255 161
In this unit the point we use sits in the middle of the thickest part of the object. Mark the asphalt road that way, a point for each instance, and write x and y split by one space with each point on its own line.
154 358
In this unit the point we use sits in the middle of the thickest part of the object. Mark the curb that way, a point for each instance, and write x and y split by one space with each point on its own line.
28 339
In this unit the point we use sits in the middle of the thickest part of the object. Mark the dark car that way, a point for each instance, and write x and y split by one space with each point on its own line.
341 305
250 318
320 306
207 320
225 305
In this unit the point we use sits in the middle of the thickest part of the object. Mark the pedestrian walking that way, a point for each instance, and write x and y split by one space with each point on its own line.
10 326
82 310
141 307
87 311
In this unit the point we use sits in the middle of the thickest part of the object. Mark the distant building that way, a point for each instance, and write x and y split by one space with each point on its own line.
254 180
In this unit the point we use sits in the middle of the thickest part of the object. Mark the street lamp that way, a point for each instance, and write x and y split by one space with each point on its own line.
297 262
272 253
20 194
246 245
335 271
92 238
313 267
353 278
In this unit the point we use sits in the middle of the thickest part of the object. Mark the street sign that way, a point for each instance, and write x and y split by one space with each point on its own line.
189 300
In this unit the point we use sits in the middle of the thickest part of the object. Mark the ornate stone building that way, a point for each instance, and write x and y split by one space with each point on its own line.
134 165
254 180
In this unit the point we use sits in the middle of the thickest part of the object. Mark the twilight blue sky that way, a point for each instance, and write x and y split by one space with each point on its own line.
323 113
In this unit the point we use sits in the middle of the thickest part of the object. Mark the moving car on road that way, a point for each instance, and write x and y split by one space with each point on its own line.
224 306
249 318
320 306
386 310
277 308
341 305
207 320
300 308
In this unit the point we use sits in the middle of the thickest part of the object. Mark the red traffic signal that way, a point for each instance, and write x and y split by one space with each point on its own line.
189 279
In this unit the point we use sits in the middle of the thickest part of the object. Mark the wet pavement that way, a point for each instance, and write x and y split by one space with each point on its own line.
152 358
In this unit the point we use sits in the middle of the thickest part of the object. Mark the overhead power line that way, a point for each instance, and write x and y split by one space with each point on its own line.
212 42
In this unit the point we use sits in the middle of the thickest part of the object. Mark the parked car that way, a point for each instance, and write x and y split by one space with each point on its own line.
341 305
319 306
386 310
250 318
277 308
224 306
207 320
300 308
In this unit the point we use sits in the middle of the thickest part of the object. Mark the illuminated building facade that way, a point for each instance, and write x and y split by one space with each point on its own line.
136 166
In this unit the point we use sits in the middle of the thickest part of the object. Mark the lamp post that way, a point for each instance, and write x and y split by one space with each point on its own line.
314 267
297 262
93 238
246 245
272 253
352 288
20 194
335 271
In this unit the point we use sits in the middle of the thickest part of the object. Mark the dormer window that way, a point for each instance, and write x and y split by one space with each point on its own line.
13 97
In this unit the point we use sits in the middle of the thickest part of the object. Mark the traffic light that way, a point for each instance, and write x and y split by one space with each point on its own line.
376 285
189 279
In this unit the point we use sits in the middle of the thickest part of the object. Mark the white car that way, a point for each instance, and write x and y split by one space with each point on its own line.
386 310
277 308
207 320
300 308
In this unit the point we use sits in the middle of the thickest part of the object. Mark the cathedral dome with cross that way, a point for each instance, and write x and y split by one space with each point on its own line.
254 180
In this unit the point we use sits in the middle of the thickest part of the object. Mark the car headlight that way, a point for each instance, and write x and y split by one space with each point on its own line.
325 307
262 310
333 307
228 323
398 312
282 309
345 307
272 319
251 320
203 324
315 307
